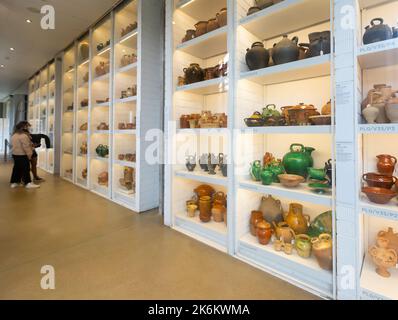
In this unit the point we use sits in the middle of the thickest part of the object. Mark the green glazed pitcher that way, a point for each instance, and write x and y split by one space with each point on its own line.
298 160
267 177
255 170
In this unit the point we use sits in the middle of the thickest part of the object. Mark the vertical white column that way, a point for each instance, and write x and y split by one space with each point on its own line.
346 155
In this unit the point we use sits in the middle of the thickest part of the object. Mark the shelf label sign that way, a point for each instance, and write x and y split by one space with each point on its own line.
380 213
344 151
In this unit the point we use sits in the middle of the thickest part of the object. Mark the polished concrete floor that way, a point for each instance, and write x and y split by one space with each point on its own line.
100 250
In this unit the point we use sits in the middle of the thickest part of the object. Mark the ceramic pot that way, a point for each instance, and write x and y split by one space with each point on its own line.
264 232
266 176
283 232
255 170
102 150
271 209
392 111
253 10
322 247
277 169
296 219
212 24
220 198
217 212
255 217
391 237
321 224
222 17
377 32
379 195
205 208
285 51
327 109
191 163
262 4
386 164
303 245
201 28
319 44
103 179
298 160
194 73
383 257
379 180
299 115
329 171
189 35
184 121
84 51
370 113
204 190
257 57
203 161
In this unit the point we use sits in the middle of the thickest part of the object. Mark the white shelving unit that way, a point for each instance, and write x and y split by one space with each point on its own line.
239 94
115 93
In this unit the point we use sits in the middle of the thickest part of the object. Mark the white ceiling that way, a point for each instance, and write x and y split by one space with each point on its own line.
34 47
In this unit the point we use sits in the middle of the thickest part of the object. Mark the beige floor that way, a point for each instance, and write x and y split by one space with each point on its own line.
103 251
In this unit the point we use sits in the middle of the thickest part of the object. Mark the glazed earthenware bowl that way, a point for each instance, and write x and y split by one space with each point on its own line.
379 180
319 188
321 120
379 195
290 180
255 122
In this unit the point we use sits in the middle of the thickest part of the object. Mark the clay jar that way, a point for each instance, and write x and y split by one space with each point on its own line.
255 218
271 209
222 17
194 73
189 35
386 164
383 257
303 245
379 180
283 232
264 232
253 10
322 248
296 219
217 212
391 237
201 28
204 190
257 57
212 24
205 208
285 51
220 198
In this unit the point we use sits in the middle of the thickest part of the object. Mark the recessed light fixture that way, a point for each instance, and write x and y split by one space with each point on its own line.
28 21
12 49
2 65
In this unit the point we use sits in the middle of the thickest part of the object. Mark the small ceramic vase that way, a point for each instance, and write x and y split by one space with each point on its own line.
205 208
303 245
370 114
264 232
191 210
255 218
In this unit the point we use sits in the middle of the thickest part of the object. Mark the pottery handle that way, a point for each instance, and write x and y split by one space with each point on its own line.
395 159
381 20
271 105
308 218
296 145
365 177
373 251
394 179
295 40
292 233
393 253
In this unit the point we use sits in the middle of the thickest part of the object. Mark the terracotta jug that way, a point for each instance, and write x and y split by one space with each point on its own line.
383 257
217 212
283 232
322 247
220 198
271 209
205 208
386 164
256 217
391 237
264 232
204 190
296 219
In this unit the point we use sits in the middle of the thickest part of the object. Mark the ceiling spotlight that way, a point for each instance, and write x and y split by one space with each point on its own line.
2 65
12 49
28 21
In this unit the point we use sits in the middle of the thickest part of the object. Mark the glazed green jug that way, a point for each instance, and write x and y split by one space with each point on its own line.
102 150
255 170
267 177
298 160
317 174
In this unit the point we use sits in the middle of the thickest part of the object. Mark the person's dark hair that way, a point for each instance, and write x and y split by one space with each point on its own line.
21 126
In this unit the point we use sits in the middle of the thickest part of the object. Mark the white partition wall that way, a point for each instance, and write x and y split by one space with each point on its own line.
117 96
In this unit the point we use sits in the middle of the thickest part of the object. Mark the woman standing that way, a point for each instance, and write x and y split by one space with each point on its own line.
22 151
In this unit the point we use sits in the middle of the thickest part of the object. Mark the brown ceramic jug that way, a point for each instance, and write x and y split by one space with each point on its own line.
296 219
201 28
264 232
284 232
271 209
386 164
322 247
383 257
256 217
222 17
220 198
204 190
217 212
